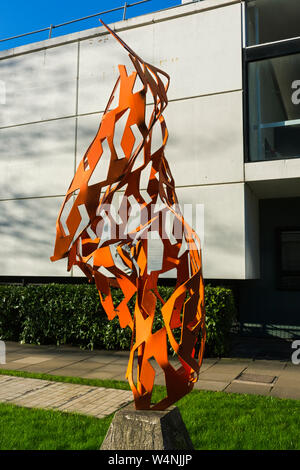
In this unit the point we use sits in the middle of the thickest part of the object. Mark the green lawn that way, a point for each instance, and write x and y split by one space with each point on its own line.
215 420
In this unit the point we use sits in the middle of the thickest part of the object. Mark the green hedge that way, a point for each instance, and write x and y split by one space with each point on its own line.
72 314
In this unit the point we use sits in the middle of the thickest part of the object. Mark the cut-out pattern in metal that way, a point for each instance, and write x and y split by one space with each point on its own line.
138 238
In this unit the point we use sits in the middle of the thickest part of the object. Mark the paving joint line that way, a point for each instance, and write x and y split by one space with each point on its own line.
66 365
209 367
231 381
8 379
74 398
29 391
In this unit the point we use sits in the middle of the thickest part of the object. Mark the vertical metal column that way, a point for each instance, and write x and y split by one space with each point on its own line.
124 12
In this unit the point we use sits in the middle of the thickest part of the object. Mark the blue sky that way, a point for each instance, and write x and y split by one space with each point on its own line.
21 16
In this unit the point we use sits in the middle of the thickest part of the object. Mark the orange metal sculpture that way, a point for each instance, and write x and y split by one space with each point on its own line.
139 250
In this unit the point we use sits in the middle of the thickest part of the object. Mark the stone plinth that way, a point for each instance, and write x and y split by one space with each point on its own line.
133 429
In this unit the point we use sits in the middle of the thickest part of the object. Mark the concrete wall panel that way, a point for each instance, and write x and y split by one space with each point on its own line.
200 52
252 234
206 131
37 159
27 234
40 85
205 143
87 128
224 239
272 170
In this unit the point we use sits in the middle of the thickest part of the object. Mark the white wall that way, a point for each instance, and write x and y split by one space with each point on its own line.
200 52
37 159
55 93
40 85
252 258
27 232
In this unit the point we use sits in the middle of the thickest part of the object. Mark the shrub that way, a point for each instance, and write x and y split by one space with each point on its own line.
220 315
11 312
72 314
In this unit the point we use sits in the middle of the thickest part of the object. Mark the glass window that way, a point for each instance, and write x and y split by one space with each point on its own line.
272 20
289 259
274 108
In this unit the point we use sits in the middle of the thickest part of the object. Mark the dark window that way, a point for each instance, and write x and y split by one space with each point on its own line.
274 108
272 20
289 259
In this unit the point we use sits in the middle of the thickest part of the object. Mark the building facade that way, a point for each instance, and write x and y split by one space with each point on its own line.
233 114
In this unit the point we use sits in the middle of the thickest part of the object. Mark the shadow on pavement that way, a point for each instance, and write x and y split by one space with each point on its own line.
260 348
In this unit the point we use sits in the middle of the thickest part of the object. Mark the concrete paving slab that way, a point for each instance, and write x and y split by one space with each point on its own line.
288 382
34 393
215 374
84 365
95 374
291 392
210 385
258 368
116 368
234 360
12 346
205 366
246 377
12 366
293 372
119 353
228 367
13 356
218 376
121 377
99 361
72 357
67 371
32 359
247 388
42 368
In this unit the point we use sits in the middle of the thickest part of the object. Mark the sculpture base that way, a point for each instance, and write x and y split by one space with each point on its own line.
133 429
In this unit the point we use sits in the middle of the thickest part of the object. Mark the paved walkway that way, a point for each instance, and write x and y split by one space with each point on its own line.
259 373
35 393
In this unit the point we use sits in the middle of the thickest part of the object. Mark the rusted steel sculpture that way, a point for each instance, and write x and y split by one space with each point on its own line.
131 254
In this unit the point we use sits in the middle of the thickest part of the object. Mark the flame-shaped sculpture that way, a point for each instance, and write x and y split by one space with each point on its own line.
139 251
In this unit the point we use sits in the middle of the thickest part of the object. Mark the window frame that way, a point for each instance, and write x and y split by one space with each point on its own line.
255 54
246 3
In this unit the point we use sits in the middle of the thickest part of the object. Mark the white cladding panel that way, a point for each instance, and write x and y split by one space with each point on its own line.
205 144
224 241
27 234
40 85
200 52
37 159
44 90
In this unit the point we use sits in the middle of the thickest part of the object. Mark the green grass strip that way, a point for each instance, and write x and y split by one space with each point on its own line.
214 420
37 429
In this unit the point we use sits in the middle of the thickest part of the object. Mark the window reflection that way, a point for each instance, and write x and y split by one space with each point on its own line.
274 108
272 20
